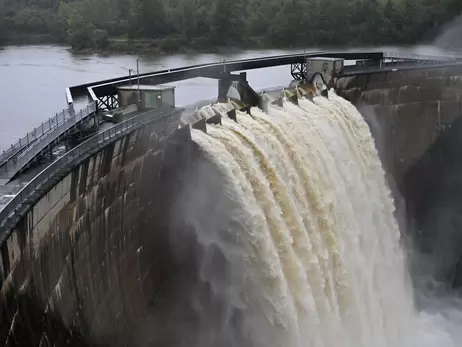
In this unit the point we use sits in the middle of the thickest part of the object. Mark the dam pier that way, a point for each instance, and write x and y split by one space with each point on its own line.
89 199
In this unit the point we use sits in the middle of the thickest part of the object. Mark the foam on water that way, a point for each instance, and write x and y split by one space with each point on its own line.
321 247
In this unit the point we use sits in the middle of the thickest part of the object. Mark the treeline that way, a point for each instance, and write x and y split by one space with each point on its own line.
183 24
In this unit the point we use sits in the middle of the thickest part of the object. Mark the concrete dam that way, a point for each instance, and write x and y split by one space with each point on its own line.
234 226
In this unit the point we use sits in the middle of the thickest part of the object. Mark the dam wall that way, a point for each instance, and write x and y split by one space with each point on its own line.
407 110
415 118
88 259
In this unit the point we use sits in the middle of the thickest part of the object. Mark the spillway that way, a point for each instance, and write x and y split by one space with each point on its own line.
299 245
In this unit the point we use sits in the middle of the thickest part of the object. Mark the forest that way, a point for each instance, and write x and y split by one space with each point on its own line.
174 25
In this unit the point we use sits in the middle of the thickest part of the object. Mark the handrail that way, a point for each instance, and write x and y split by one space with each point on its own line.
354 70
419 57
230 64
192 71
33 135
97 141
96 89
43 141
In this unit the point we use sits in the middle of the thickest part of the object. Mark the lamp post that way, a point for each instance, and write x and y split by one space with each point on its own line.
137 77
130 76
138 73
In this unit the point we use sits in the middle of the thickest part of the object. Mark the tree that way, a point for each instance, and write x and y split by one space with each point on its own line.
393 22
228 24
190 18
367 21
412 17
80 30
148 19
210 23
2 22
100 38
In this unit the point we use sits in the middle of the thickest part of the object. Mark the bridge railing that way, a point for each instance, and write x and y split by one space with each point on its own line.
98 141
419 58
35 134
65 124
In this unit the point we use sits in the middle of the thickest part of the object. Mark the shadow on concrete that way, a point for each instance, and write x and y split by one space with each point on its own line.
433 190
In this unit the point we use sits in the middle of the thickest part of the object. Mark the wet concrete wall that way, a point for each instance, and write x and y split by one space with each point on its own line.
433 188
406 110
415 119
89 260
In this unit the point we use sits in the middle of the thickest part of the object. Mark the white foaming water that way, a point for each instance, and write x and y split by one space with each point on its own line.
323 261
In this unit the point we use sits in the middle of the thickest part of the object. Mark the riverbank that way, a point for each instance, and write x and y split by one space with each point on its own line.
168 45
29 40
171 45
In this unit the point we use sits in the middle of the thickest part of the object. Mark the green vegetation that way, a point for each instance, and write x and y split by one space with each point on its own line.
178 25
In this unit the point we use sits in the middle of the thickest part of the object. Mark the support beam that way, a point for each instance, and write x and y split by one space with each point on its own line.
226 80
222 75
223 87
114 101
214 120
200 125
246 92
69 98
298 71
103 103
232 115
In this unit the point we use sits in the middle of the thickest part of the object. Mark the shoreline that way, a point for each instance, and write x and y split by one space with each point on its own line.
171 45
174 45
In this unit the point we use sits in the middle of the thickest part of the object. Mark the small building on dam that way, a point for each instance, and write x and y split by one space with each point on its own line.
89 250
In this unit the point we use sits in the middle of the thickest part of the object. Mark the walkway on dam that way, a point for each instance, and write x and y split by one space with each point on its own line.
393 67
104 88
40 140
164 117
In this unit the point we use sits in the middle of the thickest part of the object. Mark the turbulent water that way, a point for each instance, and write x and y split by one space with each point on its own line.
317 257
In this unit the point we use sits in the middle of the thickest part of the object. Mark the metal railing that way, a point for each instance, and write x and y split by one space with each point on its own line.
39 145
35 134
402 65
419 57
98 141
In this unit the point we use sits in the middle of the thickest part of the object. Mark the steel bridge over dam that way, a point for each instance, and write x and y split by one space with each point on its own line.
70 128
104 93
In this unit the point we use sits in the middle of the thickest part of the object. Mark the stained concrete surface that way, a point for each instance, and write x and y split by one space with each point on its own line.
415 119
433 189
406 110
87 263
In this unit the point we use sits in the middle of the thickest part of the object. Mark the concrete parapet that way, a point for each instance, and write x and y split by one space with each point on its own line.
89 260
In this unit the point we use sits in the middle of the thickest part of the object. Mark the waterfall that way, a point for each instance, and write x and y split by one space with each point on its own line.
316 253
